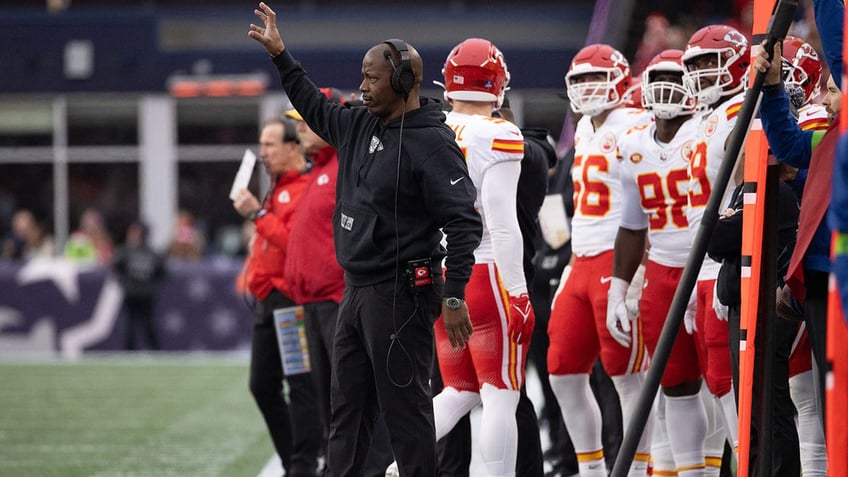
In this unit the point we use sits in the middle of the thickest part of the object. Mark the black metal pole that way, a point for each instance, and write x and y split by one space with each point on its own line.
766 314
778 27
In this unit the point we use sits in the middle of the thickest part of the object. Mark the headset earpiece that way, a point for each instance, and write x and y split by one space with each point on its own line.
403 77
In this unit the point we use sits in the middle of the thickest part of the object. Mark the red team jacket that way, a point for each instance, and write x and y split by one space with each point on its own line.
270 245
312 272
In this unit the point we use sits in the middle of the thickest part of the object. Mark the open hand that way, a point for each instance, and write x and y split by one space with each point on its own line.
268 36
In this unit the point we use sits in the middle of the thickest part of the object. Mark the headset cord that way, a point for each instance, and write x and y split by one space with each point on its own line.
395 336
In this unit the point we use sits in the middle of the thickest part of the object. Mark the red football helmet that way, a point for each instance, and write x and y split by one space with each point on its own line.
727 71
597 95
666 99
633 95
475 70
802 66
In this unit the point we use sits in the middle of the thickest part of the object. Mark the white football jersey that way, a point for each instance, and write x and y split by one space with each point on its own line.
655 187
486 141
597 188
708 153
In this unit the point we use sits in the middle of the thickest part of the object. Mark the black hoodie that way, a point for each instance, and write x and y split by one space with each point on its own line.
388 213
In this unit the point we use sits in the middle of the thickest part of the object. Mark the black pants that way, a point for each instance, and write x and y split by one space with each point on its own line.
320 318
815 311
382 356
139 312
784 447
295 431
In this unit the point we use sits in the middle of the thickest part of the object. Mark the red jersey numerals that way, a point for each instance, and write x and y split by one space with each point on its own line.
458 130
653 193
591 197
699 195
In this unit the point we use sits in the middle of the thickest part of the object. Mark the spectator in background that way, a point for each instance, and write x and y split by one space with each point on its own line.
91 242
188 242
140 270
28 238
659 35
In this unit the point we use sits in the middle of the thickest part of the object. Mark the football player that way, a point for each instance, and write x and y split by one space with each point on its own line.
596 82
490 368
716 60
655 184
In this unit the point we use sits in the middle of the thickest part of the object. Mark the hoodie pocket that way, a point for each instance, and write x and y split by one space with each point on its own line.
354 238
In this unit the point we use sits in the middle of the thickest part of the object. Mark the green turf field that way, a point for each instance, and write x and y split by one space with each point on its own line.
126 416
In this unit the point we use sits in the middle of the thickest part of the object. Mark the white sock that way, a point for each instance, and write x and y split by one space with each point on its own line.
687 430
714 442
629 386
810 432
449 406
498 430
582 418
661 454
727 405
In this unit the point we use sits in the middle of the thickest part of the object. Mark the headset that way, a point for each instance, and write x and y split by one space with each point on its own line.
289 130
403 77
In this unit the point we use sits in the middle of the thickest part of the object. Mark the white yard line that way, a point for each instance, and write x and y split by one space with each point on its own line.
272 467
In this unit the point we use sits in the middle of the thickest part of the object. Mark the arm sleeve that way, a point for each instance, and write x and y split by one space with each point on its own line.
829 17
329 120
787 141
498 193
273 229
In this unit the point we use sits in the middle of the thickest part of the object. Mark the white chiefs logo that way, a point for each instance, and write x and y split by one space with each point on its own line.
806 51
686 150
284 197
608 143
712 125
736 39
323 179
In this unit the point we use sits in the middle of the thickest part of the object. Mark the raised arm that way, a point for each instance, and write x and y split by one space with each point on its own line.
268 36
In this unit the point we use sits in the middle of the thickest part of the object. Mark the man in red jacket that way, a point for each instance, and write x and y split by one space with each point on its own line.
294 432
315 278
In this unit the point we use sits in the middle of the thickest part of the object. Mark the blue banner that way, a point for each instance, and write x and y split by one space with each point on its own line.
56 306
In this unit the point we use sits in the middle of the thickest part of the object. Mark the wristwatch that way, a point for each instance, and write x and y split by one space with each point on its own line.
256 214
453 303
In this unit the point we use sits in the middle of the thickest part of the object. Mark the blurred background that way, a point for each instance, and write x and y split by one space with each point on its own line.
115 112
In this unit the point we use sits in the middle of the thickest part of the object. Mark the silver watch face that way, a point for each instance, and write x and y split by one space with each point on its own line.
453 303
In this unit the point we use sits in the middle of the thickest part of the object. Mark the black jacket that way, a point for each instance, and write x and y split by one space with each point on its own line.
430 188
726 242
539 156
